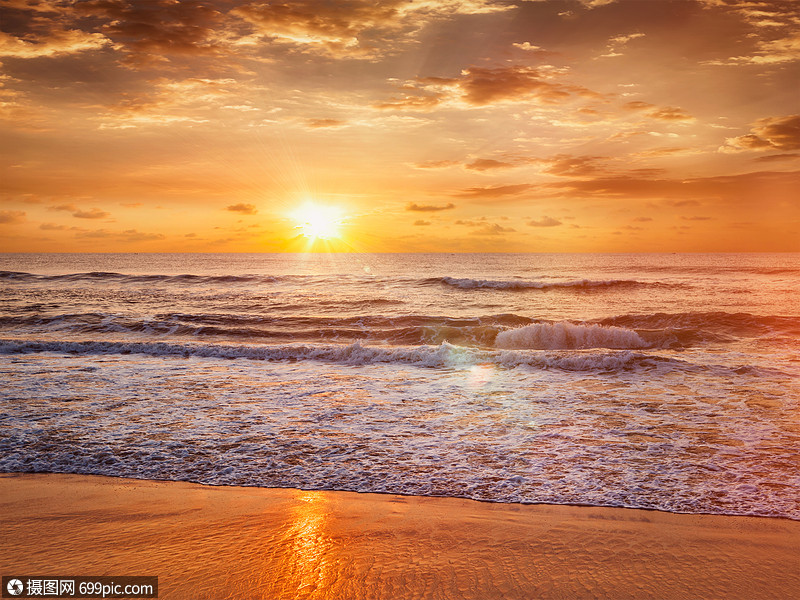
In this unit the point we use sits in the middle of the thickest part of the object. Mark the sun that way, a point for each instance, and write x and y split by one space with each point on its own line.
318 222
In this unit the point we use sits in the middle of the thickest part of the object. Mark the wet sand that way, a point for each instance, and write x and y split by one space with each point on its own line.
225 542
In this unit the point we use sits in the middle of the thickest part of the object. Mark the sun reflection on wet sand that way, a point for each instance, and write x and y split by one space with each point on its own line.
284 544
304 549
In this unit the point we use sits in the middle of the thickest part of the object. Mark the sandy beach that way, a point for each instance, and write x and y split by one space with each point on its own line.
228 542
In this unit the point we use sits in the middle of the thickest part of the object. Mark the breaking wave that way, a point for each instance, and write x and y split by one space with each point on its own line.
564 336
442 356
505 331
581 284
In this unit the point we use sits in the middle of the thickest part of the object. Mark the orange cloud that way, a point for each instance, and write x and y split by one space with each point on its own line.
157 27
128 235
323 123
483 86
94 213
11 216
771 133
545 222
565 165
413 207
245 209
436 164
492 229
744 189
57 42
665 113
355 28
487 164
670 113
494 191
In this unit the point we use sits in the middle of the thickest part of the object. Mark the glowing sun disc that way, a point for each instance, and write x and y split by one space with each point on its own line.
318 222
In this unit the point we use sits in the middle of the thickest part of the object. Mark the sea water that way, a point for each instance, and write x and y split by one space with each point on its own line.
666 382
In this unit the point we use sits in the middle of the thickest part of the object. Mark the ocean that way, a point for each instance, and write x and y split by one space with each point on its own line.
656 381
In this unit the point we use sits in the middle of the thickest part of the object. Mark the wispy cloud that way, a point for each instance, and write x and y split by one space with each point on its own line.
495 191
244 209
414 207
544 222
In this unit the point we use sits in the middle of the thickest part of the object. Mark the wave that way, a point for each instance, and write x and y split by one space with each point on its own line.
504 284
101 276
712 322
563 336
505 331
441 356
188 279
409 329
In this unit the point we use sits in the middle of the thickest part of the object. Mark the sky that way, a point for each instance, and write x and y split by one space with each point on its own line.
399 126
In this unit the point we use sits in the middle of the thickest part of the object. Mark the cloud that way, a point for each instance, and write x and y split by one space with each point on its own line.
132 235
617 43
772 19
481 86
527 46
624 39
487 164
65 207
416 102
670 113
484 86
643 219
129 235
565 165
637 105
420 222
744 189
771 133
11 216
148 30
768 52
93 213
436 164
322 123
52 227
494 191
545 222
58 42
321 26
777 157
663 113
245 209
353 28
595 3
168 101
492 229
413 207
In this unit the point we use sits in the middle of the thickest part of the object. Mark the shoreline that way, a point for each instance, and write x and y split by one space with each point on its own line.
249 542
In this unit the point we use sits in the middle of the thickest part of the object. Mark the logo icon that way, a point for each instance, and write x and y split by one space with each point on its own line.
15 587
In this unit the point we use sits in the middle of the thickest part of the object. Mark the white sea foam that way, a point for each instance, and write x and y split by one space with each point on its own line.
468 283
666 382
565 336
444 355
